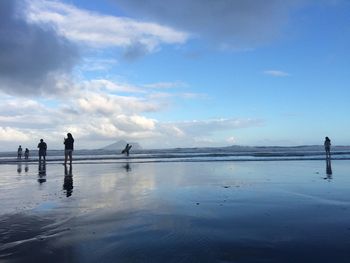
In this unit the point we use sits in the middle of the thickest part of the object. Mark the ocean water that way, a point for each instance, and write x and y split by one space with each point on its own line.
232 153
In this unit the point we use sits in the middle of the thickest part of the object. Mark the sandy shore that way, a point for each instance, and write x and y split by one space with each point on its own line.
176 212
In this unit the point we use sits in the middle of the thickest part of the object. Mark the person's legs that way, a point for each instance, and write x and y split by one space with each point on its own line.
65 157
70 157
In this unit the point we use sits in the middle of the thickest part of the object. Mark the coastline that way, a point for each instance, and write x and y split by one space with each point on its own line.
307 153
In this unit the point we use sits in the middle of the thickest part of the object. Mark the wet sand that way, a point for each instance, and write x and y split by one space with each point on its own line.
283 211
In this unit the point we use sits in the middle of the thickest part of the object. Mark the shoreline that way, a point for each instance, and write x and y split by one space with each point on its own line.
132 159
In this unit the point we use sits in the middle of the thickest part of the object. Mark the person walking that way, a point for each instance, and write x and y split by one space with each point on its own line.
42 150
68 148
327 147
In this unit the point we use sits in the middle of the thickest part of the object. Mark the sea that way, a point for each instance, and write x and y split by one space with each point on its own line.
205 154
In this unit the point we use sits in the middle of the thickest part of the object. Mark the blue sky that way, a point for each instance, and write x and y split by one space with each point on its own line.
174 73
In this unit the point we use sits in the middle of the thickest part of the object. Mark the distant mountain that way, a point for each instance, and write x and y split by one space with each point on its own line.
120 145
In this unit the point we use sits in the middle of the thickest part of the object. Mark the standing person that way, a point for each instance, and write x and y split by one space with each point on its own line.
327 147
19 152
68 148
26 154
42 150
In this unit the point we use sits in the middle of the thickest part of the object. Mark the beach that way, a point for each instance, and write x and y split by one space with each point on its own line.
227 211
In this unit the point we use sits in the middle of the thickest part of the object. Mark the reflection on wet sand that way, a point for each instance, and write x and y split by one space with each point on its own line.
26 168
68 180
328 168
127 167
42 172
161 208
19 167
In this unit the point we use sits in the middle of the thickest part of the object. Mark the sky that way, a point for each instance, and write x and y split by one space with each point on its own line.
185 73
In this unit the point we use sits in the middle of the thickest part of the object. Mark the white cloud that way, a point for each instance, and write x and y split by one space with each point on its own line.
9 134
166 85
96 114
107 104
276 73
97 30
139 121
191 95
98 119
213 125
111 86
160 95
97 64
196 133
231 140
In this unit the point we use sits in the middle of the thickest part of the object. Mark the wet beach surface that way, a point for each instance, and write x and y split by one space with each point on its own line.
283 211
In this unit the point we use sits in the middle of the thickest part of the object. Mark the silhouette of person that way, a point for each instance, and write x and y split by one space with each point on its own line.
42 150
26 154
127 149
68 148
42 173
19 152
327 147
68 180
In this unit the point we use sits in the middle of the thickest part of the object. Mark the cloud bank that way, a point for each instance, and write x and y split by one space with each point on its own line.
96 118
234 23
32 58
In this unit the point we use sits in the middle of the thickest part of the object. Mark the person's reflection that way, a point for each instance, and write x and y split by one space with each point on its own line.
26 168
19 167
127 167
42 172
328 168
68 180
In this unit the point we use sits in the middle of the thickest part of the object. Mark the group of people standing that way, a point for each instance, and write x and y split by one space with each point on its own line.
69 147
20 152
42 146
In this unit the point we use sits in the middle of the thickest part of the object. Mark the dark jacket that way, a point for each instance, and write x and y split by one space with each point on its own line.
69 144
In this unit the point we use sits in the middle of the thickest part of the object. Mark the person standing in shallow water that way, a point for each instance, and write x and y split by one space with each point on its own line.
26 154
327 147
68 148
19 152
42 150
